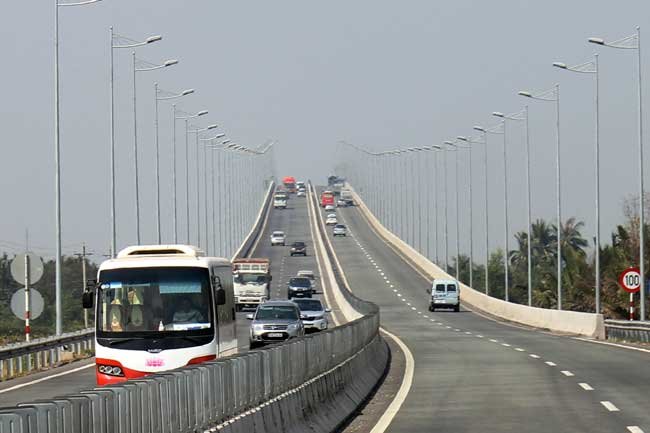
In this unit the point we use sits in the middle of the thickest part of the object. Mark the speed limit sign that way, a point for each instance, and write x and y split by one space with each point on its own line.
630 280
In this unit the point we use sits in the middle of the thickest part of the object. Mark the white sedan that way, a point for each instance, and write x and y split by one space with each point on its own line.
331 220
330 207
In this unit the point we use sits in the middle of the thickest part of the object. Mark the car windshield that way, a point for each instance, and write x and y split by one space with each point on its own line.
278 234
451 287
282 312
300 282
298 244
339 226
251 278
153 300
440 288
309 304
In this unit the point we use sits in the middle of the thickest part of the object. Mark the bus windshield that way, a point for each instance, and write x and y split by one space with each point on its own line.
152 300
243 278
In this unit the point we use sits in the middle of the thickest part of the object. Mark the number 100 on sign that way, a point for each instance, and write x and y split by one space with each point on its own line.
630 280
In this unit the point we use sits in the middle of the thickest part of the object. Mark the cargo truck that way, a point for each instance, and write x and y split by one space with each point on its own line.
252 282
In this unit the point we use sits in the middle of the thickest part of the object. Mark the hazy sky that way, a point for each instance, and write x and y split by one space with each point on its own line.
379 73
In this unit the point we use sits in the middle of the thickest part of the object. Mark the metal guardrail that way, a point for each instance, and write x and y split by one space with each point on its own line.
626 330
20 358
338 363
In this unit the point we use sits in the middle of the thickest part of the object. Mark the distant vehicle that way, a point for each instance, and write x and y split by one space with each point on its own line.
301 193
275 321
299 287
298 248
279 202
331 220
346 196
340 230
313 314
252 282
330 208
278 238
327 198
300 185
289 183
445 294
310 275
156 309
341 203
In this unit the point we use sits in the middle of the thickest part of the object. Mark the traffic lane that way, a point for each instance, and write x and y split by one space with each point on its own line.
71 378
294 221
458 373
618 375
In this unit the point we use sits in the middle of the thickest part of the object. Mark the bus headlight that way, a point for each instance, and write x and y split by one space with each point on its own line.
111 370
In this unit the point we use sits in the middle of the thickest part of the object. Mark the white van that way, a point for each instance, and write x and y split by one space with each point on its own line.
444 294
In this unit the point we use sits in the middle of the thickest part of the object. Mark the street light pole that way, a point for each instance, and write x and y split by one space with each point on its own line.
553 95
122 43
591 67
471 218
633 42
57 165
157 96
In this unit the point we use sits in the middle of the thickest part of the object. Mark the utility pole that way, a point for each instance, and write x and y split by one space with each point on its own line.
82 255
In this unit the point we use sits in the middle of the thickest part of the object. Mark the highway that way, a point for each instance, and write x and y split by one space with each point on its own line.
475 374
79 376
294 222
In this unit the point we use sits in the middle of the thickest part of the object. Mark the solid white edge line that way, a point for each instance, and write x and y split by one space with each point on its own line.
402 393
43 379
607 343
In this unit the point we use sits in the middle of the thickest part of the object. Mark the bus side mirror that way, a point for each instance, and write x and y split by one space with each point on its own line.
88 299
220 295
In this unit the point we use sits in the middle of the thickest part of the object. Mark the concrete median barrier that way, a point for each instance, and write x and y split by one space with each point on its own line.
568 322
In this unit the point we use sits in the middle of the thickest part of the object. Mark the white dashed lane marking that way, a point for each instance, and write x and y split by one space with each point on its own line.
609 406
519 349
586 386
550 364
634 429
532 355
567 373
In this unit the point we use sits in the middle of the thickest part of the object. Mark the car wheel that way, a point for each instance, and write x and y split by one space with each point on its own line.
238 308
432 308
457 308
253 345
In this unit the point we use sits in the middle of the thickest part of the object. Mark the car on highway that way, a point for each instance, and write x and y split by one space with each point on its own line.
313 314
278 238
299 287
331 220
444 294
275 321
301 193
298 248
308 274
330 207
340 230
341 203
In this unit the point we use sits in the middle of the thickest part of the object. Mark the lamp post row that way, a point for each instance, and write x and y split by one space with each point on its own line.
138 65
632 42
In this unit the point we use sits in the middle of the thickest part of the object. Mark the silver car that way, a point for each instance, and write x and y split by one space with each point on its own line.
313 314
275 321
340 230
278 238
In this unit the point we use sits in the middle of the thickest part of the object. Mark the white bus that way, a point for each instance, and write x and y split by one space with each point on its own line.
160 307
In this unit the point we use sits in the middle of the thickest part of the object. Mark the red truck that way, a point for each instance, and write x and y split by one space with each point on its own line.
327 197
289 183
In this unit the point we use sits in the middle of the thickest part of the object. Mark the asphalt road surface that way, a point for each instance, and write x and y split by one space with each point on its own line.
79 376
475 374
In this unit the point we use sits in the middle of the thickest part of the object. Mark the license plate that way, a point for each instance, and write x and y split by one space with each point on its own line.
275 334
440 301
